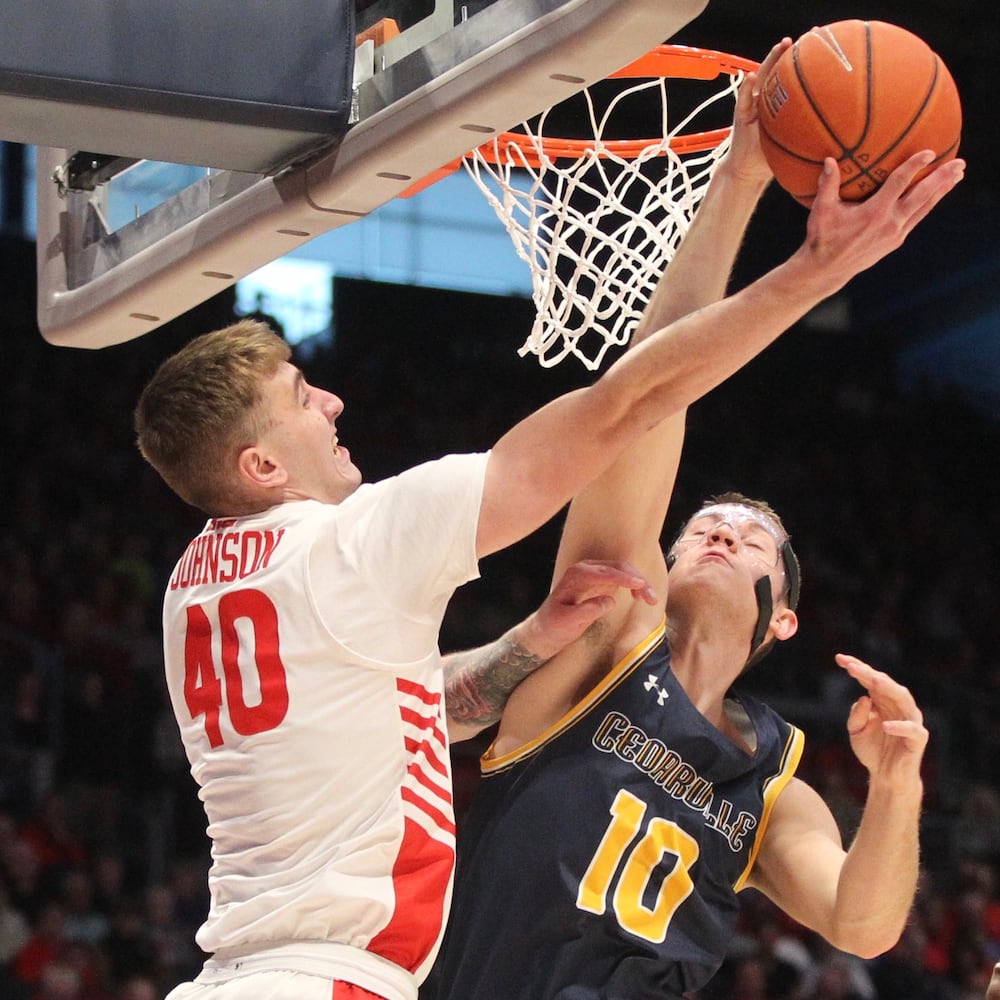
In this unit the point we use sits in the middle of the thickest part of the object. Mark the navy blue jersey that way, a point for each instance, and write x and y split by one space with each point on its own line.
603 860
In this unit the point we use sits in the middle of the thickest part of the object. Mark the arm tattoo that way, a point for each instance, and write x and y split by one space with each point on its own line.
478 683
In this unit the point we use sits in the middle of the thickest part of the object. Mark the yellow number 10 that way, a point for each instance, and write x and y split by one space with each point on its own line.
661 837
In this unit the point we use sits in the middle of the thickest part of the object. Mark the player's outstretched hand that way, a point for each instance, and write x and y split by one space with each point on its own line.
885 726
847 237
586 591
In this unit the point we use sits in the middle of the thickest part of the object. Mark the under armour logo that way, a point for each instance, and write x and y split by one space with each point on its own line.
652 685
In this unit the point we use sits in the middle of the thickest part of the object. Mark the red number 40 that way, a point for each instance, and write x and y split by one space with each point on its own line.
203 689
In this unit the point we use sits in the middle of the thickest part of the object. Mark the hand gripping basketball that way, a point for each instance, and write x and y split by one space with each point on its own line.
867 93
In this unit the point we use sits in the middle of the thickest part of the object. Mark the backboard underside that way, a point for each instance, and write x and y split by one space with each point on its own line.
427 100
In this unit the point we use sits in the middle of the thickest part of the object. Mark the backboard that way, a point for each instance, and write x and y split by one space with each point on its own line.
232 83
441 81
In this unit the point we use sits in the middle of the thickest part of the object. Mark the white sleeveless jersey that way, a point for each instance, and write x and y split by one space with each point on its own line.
303 668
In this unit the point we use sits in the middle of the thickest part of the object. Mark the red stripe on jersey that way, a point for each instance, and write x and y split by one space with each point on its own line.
441 820
420 877
432 755
418 691
417 772
419 721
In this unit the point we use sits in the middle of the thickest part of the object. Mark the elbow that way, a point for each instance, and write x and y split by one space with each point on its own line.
867 942
872 950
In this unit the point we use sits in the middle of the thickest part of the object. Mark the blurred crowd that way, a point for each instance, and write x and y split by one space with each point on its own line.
888 497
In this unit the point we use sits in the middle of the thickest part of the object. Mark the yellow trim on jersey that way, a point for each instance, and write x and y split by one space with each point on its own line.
631 660
772 789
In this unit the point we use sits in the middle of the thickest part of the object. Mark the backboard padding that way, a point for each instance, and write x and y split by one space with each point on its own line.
504 64
235 84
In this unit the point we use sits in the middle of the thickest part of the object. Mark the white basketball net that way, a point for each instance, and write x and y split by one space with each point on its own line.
599 229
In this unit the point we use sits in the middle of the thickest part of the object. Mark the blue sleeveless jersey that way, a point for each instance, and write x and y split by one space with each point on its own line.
603 860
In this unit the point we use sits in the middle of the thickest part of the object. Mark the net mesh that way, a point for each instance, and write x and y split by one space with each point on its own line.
597 220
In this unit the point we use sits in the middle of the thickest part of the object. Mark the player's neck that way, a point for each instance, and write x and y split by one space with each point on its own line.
706 663
706 674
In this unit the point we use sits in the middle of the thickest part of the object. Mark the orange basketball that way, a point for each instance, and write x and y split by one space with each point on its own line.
870 94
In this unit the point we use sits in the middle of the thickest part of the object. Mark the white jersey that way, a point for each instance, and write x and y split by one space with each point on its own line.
303 668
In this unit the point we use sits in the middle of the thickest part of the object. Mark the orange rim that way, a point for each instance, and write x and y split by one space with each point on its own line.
686 63
668 61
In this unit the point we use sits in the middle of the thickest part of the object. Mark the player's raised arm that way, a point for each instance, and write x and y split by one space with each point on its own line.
544 460
858 900
621 513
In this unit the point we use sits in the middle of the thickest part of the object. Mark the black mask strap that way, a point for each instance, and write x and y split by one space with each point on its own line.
765 606
792 574
762 590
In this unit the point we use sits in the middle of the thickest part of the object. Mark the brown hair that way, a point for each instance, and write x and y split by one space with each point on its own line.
743 501
202 407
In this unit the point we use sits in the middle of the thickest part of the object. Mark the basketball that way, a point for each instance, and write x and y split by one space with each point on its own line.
869 94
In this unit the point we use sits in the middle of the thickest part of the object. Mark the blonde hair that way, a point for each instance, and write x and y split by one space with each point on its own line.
202 408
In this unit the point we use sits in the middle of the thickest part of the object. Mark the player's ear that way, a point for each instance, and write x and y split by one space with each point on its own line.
784 624
257 468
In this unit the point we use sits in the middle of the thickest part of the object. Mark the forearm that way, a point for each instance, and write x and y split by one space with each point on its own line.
840 242
879 879
528 479
545 459
700 269
670 370
478 682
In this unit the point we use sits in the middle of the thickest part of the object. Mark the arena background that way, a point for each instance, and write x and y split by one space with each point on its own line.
873 427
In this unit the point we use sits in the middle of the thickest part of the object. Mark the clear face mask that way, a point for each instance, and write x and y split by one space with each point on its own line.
758 535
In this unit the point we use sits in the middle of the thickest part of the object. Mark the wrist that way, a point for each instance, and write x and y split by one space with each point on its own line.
897 789
753 181
805 279
530 640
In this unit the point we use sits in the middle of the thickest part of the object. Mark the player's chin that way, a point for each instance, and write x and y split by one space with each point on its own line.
344 464
351 475
343 479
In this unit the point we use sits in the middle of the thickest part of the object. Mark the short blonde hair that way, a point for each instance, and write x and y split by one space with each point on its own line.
202 408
